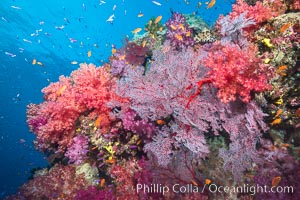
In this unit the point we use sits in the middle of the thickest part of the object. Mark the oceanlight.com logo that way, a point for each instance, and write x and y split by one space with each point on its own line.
213 188
250 189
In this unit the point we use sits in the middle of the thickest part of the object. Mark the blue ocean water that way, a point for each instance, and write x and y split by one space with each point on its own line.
56 33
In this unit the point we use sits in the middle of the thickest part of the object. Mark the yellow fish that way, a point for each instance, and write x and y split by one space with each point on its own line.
135 31
33 61
157 19
89 54
74 62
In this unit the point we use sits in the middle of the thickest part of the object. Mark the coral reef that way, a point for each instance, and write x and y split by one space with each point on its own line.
181 104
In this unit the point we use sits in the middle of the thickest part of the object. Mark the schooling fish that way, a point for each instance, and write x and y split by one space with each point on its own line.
156 3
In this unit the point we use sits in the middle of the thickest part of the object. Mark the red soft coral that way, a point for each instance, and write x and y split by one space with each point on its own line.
59 183
87 90
236 72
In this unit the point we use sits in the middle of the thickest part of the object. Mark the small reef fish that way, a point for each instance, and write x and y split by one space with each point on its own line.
275 181
160 122
137 30
297 113
10 54
60 27
158 19
98 121
61 90
111 161
28 41
83 7
74 62
207 181
278 113
4 19
276 121
156 3
211 4
281 70
33 61
114 7
102 182
72 40
113 50
111 18
89 54
16 7
144 43
173 27
178 37
41 22
40 63
194 183
140 14
285 27
102 2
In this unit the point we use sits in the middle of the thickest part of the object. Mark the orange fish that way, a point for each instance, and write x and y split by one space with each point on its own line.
275 181
140 15
160 122
278 113
94 148
158 19
207 181
276 121
173 27
181 26
178 37
138 142
285 145
249 176
89 54
281 69
297 113
61 90
194 183
144 43
111 161
102 182
113 50
188 34
98 121
135 31
211 4
285 27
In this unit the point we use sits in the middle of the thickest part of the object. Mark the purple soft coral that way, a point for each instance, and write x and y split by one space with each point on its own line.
179 32
78 149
